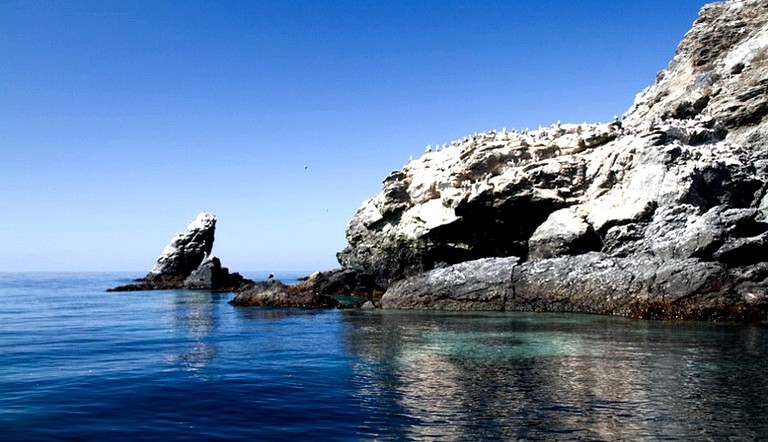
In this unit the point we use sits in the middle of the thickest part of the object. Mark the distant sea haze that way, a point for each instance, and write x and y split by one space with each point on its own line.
79 363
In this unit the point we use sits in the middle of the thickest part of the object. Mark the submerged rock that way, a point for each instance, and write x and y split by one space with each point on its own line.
186 262
660 214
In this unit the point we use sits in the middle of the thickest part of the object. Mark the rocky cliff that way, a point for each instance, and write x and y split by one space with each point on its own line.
186 262
661 213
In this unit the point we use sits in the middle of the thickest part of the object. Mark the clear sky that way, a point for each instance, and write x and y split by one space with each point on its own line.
121 120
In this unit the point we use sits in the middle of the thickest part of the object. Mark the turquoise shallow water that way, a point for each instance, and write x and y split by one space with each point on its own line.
79 363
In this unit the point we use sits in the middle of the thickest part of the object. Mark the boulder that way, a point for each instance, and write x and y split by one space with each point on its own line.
474 285
341 282
643 286
210 275
274 293
563 233
684 232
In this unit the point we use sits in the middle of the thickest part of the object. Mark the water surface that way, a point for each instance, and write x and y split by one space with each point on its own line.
76 362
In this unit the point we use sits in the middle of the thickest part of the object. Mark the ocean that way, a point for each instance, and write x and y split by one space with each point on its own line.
79 363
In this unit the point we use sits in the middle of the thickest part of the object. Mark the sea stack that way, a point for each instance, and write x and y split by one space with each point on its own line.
187 250
659 214
186 262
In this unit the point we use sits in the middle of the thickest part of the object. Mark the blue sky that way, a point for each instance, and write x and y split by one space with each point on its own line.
120 121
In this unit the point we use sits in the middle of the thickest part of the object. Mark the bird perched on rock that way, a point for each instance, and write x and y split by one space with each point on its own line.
616 125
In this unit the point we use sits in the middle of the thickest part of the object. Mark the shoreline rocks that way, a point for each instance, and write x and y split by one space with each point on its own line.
274 293
642 287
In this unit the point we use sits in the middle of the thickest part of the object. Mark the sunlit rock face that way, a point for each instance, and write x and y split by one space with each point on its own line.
682 176
719 71
482 196
188 249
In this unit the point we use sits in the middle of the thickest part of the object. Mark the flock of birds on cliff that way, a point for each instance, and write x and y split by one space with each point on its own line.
537 145
542 134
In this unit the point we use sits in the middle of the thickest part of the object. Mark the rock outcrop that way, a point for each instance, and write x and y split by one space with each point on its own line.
642 286
186 262
187 249
474 285
659 214
210 275
274 293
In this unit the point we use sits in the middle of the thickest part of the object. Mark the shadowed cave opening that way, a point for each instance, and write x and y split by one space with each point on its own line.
485 230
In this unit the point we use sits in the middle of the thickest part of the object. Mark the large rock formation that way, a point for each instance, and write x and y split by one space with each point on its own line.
661 214
187 250
186 262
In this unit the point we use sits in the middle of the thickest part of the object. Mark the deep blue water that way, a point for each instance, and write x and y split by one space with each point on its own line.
79 363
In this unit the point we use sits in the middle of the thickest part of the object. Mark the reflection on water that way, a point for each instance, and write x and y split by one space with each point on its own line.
459 376
79 364
192 316
273 314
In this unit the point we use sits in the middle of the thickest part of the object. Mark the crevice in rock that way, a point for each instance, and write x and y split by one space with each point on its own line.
589 242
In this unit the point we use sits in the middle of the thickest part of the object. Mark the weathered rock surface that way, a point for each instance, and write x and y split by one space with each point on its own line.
186 262
563 233
188 249
719 72
678 186
341 282
643 286
476 285
211 275
274 293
